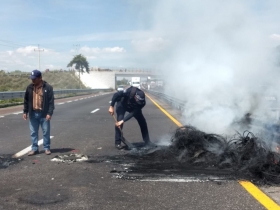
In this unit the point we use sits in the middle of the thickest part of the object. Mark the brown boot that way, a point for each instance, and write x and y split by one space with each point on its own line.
33 152
48 152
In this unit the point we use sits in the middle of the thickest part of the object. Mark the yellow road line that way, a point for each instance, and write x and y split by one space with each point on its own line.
259 195
165 112
250 187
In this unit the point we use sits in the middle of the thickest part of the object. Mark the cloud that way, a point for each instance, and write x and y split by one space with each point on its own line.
26 50
104 36
91 57
26 58
275 37
114 50
152 44
10 52
96 50
50 66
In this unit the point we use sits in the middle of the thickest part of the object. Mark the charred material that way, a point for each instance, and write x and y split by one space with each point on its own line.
7 160
246 155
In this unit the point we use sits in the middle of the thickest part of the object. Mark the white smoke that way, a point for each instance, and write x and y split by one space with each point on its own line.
218 57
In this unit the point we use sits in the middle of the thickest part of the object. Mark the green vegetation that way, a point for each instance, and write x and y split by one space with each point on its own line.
122 82
18 81
9 102
80 62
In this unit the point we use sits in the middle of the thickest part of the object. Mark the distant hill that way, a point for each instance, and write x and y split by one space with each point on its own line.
18 81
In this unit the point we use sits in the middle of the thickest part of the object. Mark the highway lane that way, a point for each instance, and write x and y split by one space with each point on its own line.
38 183
15 133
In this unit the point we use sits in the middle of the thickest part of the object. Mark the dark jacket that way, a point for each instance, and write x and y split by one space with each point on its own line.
128 102
48 100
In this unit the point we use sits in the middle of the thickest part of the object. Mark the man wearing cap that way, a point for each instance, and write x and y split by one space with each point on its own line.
39 105
130 100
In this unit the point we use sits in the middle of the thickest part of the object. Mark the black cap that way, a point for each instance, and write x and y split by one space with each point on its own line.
140 97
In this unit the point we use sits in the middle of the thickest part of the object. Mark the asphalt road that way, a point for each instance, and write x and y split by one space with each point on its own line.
108 180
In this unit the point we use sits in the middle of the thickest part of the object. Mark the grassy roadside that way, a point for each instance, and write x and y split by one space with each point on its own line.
18 81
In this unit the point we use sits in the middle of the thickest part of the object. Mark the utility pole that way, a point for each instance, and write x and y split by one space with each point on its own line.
77 45
39 50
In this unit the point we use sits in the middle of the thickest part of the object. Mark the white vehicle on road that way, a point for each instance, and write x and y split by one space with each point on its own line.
120 88
135 82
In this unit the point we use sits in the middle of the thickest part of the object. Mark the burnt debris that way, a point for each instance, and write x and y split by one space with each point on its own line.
245 154
7 160
193 153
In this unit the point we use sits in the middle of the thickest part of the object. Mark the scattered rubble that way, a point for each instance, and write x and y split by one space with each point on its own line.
70 158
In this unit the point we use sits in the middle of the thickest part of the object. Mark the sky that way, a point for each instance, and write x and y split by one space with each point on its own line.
109 33
216 55
123 33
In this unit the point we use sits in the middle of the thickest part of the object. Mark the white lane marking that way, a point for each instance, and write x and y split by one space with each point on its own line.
69 101
1 116
189 179
27 149
76 100
17 113
60 103
172 180
110 102
95 110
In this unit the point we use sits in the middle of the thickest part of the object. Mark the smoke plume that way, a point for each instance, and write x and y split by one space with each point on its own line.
219 57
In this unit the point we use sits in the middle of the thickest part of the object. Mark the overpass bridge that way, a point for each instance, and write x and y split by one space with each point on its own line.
106 78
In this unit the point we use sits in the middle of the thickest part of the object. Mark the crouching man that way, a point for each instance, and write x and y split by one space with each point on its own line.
130 100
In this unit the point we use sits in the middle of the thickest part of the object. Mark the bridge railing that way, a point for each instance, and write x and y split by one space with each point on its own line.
58 93
175 102
181 105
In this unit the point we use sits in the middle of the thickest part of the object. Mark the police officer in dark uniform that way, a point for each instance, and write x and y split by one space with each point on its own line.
130 100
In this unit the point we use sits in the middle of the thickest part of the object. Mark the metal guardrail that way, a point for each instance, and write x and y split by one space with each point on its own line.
20 94
180 104
176 103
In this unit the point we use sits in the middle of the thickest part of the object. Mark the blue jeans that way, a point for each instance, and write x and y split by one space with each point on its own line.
35 121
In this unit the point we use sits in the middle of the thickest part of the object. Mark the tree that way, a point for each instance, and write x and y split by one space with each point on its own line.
80 62
122 82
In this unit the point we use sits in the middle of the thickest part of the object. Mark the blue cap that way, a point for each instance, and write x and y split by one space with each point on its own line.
35 74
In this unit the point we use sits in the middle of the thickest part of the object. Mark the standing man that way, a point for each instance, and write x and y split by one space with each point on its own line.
130 100
39 104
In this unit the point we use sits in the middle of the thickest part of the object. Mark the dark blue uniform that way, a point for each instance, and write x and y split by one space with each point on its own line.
132 104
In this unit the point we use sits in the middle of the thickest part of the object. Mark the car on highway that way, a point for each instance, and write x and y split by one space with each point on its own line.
120 88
